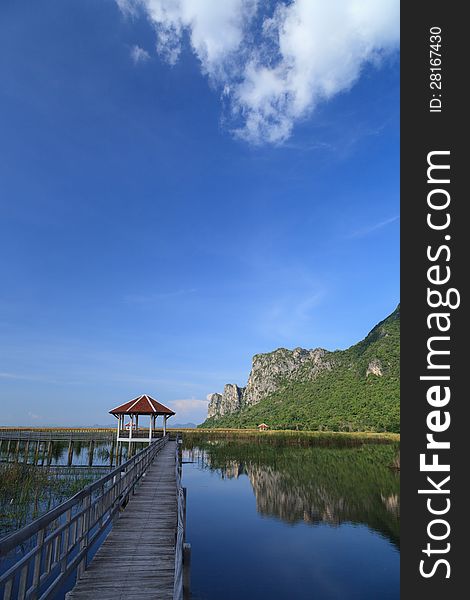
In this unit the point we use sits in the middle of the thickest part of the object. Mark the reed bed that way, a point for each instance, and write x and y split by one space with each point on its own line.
27 491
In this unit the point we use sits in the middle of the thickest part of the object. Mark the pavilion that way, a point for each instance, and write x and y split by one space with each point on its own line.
142 405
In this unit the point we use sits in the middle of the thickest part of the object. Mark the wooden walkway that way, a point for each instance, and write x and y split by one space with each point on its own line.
137 559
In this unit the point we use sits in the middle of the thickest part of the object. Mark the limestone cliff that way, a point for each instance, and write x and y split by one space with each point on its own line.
267 372
213 408
224 404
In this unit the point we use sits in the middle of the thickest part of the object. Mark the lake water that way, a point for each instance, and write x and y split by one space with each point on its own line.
58 454
280 522
35 478
267 517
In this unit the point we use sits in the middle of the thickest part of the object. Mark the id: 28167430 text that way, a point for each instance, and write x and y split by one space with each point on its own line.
435 69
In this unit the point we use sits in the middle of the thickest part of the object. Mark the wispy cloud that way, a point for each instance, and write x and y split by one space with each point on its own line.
287 316
27 377
273 64
33 416
156 297
373 227
139 55
68 362
155 382
11 376
286 308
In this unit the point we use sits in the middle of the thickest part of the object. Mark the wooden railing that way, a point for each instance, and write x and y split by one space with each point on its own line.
51 548
53 435
182 549
76 435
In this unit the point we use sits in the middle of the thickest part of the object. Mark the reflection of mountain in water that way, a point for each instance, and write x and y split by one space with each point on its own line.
317 485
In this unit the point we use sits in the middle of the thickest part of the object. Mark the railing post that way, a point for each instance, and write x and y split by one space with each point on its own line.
26 452
23 582
36 452
37 564
184 514
186 571
82 565
65 541
70 453
8 589
49 452
91 451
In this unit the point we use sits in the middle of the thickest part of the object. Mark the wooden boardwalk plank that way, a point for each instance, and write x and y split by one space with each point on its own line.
137 559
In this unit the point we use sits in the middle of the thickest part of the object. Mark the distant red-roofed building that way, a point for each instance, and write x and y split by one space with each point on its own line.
263 427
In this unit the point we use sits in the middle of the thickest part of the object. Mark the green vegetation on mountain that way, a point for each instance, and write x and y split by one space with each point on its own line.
358 392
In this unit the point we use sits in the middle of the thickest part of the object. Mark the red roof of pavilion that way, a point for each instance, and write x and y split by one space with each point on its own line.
142 405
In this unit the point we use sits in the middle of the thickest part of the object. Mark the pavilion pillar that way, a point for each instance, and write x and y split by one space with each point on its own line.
119 426
164 425
150 428
131 427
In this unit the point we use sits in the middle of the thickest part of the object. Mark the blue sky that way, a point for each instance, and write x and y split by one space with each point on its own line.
181 190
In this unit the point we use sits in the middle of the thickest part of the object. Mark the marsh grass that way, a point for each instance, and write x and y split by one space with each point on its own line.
27 491
290 437
395 464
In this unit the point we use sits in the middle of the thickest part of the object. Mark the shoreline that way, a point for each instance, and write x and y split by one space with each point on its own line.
236 432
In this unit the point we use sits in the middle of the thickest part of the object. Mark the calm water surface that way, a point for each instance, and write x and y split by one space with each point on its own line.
264 519
276 522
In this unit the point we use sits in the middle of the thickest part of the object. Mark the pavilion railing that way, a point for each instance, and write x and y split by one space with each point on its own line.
46 552
140 434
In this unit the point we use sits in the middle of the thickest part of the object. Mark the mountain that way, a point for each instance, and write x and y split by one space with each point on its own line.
356 389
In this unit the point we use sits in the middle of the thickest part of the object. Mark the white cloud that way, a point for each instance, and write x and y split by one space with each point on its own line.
33 416
189 410
215 28
186 405
128 7
274 69
139 55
